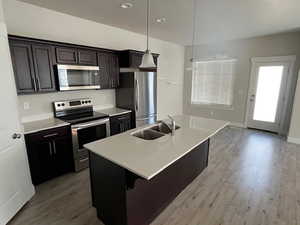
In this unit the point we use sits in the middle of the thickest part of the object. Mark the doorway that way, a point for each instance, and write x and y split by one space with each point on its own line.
267 92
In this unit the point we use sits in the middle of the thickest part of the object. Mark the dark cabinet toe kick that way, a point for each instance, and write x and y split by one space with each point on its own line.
122 197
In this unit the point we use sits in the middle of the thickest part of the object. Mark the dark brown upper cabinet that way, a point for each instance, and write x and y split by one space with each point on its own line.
66 55
133 59
23 67
33 67
109 69
86 57
76 56
43 66
34 62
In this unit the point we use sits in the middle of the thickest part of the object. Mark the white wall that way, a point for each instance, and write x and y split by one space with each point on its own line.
1 13
243 50
32 21
294 134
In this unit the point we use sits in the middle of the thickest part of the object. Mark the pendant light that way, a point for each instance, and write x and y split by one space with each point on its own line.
192 59
147 61
194 30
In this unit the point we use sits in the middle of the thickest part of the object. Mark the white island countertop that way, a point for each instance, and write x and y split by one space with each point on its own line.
146 158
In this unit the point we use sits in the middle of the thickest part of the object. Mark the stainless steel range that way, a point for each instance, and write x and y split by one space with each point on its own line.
87 126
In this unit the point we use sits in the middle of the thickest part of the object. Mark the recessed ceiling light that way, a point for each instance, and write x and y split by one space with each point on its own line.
126 5
161 20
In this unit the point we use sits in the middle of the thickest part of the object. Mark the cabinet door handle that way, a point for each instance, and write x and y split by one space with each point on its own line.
50 148
54 147
136 95
50 135
38 82
83 160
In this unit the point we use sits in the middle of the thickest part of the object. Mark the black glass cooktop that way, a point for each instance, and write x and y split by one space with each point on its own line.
83 117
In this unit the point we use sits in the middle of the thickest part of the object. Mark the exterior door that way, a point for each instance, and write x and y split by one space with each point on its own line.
15 182
266 94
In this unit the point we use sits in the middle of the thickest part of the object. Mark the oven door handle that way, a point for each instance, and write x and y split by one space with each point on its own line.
91 124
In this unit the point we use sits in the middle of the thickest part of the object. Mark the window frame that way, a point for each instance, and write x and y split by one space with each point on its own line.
213 105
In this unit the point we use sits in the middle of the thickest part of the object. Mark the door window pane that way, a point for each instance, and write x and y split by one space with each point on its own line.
267 93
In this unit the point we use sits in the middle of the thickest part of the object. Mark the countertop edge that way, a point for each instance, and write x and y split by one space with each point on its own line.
108 111
167 165
120 113
63 124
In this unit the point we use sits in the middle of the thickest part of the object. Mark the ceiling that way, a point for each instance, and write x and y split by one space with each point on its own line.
217 20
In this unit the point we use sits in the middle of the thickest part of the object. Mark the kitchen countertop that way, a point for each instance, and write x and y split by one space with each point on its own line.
146 158
114 111
40 125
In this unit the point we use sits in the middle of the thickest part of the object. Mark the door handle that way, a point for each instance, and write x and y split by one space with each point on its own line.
16 136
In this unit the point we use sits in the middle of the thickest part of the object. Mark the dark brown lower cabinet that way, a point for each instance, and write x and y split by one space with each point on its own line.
122 197
120 123
49 154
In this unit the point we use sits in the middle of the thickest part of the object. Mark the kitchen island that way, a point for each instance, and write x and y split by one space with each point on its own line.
133 179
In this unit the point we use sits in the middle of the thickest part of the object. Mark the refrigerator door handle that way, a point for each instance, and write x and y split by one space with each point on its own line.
137 95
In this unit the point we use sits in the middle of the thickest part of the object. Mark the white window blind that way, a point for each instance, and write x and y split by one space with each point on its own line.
212 82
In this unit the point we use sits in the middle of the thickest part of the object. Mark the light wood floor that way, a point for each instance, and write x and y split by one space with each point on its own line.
253 178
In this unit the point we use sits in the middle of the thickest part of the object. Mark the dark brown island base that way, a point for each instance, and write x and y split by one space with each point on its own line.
123 198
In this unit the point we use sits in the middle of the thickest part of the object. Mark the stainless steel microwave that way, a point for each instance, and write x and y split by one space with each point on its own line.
74 77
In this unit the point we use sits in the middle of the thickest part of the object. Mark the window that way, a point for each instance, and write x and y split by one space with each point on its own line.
212 82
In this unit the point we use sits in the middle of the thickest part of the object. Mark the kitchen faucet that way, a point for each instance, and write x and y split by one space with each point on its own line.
172 127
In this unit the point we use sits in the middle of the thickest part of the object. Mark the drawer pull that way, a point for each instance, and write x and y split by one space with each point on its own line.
83 160
50 135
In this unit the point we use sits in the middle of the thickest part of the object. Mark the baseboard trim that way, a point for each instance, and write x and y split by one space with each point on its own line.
234 124
293 140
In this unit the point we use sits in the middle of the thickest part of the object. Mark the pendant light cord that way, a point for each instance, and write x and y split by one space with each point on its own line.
194 28
148 13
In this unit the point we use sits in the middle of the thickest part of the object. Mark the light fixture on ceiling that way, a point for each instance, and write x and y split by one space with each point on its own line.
126 5
147 61
161 20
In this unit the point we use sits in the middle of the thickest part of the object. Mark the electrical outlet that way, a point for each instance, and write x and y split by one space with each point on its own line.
26 105
211 113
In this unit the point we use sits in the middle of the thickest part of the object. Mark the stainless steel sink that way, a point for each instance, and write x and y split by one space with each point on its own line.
156 131
147 134
163 128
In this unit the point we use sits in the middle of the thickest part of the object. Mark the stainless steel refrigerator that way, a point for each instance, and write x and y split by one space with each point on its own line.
137 91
